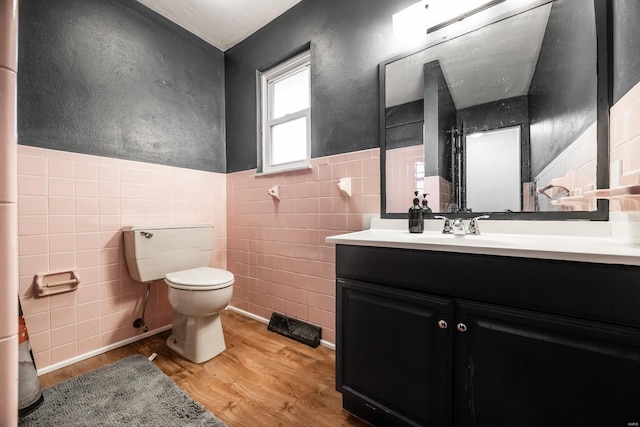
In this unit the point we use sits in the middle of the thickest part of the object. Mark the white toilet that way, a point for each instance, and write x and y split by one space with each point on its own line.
180 255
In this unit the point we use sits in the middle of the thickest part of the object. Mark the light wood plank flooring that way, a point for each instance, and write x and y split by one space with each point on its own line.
261 379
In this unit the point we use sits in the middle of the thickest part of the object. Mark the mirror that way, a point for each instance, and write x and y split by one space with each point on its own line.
500 118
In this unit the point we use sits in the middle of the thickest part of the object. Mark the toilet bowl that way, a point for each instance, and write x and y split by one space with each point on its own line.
197 296
180 254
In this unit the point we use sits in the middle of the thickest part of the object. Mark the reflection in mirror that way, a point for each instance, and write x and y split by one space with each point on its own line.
493 167
497 119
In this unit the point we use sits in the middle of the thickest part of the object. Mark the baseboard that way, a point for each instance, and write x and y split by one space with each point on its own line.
110 347
100 350
260 319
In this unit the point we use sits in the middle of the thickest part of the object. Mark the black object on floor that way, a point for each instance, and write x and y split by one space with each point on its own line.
295 329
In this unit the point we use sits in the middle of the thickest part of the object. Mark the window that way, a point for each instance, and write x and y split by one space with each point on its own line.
286 115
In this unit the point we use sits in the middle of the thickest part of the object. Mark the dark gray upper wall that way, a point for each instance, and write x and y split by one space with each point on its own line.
403 125
348 41
113 78
626 46
563 92
439 118
103 113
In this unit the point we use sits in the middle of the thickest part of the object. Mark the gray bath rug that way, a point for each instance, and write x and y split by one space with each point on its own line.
130 392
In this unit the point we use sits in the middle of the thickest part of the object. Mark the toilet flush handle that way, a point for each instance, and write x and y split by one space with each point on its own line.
146 234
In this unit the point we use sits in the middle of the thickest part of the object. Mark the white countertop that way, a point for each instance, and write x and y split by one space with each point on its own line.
561 240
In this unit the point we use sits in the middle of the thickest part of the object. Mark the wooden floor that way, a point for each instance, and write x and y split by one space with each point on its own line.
261 379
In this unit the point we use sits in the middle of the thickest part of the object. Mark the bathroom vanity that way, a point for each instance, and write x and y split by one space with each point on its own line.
434 330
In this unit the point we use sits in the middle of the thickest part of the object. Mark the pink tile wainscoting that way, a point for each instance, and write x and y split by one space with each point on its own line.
71 208
8 212
9 35
625 142
277 249
404 173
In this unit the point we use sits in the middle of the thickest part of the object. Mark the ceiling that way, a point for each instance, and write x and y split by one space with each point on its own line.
222 23
481 66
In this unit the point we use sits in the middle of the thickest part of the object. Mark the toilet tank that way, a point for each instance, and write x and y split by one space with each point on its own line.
155 250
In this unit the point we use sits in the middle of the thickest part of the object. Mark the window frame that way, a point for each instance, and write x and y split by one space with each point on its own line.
267 79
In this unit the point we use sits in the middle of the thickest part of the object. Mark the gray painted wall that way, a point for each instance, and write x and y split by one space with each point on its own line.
348 41
112 78
439 118
626 46
403 125
563 93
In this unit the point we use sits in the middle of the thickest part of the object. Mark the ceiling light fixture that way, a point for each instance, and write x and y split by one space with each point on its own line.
409 24
459 10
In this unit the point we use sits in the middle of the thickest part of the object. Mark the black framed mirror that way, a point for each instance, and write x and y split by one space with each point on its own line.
508 118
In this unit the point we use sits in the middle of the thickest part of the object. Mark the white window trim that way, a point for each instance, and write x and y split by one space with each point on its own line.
267 79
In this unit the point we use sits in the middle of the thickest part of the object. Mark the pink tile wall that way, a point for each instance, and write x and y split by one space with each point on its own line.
9 34
277 249
401 181
400 167
71 208
625 142
8 213
574 169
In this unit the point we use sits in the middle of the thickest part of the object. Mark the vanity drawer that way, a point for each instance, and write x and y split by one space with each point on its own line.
603 292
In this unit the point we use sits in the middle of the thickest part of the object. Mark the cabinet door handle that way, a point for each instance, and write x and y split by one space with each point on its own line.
442 324
462 327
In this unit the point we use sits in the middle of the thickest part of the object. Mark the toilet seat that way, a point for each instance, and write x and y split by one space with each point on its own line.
200 279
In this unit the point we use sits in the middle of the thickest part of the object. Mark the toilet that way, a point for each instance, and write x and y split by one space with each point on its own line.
180 254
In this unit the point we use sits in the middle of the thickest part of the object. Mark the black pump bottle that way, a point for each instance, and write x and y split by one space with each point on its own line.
416 221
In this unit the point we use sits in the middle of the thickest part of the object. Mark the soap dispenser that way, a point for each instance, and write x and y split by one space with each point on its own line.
416 221
425 205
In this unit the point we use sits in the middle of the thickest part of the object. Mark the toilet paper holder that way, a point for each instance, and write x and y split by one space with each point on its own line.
56 282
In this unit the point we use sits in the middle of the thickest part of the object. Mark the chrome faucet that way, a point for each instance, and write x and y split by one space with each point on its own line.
447 224
473 225
457 227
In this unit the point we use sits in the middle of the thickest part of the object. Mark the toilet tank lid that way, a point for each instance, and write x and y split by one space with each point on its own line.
201 276
164 226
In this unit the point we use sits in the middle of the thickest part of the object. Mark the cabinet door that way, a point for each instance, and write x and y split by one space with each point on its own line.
394 364
520 368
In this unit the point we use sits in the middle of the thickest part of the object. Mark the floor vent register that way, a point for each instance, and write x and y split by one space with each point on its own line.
295 329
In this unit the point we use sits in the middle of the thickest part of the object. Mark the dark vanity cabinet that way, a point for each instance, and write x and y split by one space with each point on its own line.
390 358
445 339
